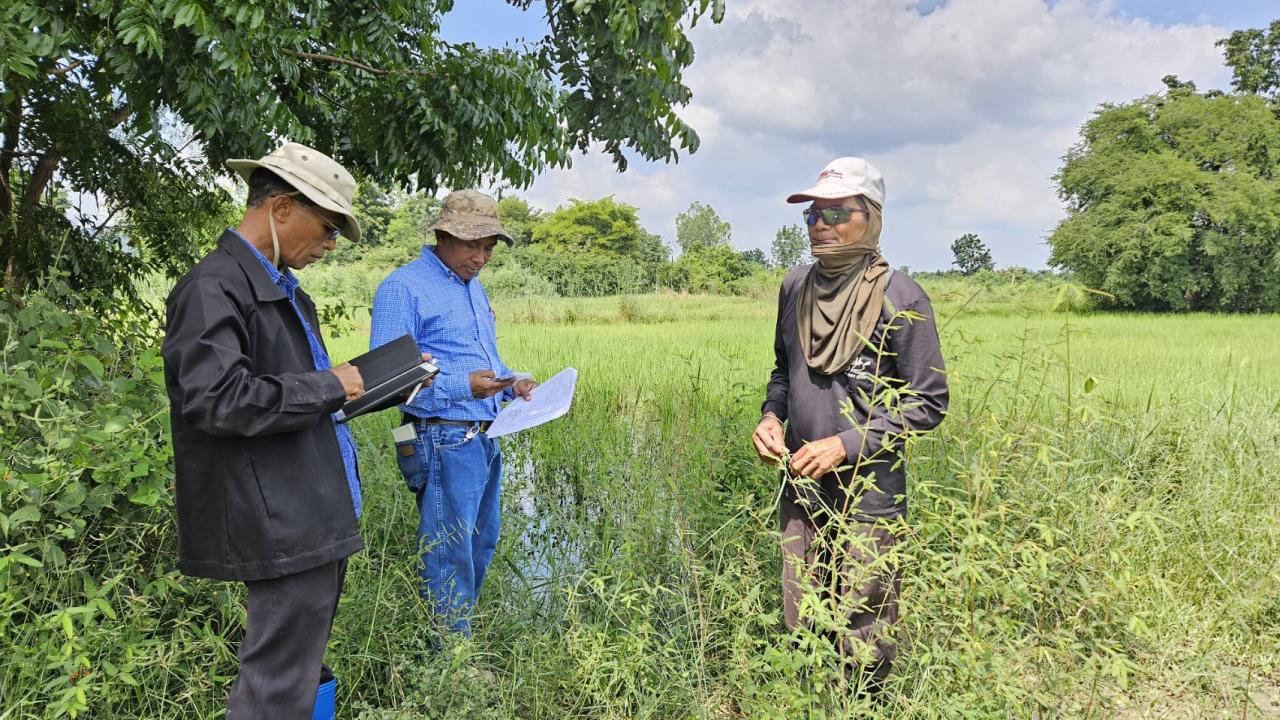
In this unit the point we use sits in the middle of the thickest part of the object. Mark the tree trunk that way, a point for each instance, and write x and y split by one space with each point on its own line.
17 266
8 224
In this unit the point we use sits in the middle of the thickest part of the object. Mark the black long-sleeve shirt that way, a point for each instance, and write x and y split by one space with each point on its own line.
897 385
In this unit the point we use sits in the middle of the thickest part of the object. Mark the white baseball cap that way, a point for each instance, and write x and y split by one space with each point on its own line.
844 177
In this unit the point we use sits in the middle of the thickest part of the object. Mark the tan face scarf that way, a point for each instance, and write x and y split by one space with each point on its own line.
842 297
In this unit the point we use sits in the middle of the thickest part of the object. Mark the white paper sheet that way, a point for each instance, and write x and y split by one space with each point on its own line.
550 400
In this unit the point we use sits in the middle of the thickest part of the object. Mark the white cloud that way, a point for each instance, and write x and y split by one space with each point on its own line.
966 105
878 72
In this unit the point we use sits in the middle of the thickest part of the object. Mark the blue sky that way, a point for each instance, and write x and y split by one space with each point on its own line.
966 105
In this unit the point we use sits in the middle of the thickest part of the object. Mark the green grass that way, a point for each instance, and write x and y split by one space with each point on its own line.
1095 527
1093 533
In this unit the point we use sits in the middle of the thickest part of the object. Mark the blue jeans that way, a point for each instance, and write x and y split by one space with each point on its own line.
456 473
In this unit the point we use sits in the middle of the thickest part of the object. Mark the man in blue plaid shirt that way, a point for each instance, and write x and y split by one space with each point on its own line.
451 465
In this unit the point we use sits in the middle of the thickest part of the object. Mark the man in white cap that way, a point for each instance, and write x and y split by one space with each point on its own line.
851 333
268 492
453 468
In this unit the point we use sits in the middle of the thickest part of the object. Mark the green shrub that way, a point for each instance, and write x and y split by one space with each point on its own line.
586 274
708 269
512 280
90 607
759 284
84 424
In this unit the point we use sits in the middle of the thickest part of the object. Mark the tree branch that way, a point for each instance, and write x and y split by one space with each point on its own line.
103 226
40 178
335 59
13 126
64 70
381 72
48 163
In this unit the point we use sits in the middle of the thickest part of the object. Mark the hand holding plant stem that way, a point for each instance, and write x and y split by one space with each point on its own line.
818 458
769 442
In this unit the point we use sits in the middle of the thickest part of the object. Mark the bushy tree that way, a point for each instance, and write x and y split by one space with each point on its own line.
138 103
971 254
755 256
653 251
708 269
407 229
375 206
790 247
519 218
1174 203
603 227
595 248
700 227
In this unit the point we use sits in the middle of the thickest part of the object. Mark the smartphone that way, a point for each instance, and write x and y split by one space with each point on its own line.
514 376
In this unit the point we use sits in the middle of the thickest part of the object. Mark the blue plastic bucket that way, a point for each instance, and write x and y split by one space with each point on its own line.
325 707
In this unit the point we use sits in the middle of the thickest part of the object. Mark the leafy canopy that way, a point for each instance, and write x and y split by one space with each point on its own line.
790 247
602 227
138 104
971 254
1254 58
519 218
1174 203
700 227
709 268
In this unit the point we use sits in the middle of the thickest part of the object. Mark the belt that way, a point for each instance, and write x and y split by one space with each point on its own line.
484 424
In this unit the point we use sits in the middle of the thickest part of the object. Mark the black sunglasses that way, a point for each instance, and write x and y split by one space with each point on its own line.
832 216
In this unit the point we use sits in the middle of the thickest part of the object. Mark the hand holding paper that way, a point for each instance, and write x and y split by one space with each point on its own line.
550 402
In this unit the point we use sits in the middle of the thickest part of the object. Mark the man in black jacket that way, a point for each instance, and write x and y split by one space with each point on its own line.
268 491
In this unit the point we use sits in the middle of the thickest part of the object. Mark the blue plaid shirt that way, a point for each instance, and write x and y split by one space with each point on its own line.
452 320
346 443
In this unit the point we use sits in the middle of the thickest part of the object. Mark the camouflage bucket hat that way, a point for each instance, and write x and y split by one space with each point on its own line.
470 215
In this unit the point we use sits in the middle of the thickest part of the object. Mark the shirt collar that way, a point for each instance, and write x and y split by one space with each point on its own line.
430 258
285 279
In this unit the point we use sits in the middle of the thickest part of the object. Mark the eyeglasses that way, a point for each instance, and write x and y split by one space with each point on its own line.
837 215
332 231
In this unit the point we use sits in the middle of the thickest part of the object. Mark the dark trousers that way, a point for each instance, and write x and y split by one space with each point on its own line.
282 655
844 564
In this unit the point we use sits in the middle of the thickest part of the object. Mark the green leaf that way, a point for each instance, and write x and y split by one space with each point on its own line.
147 494
92 364
71 498
25 559
24 514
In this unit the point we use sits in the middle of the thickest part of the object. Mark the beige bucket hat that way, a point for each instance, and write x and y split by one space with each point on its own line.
316 175
470 215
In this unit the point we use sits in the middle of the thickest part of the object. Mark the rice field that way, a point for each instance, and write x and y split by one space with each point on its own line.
1093 533
1094 529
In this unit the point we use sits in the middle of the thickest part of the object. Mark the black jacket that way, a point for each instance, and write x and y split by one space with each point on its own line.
261 488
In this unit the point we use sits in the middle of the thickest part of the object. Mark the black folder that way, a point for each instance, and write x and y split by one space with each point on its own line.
388 372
